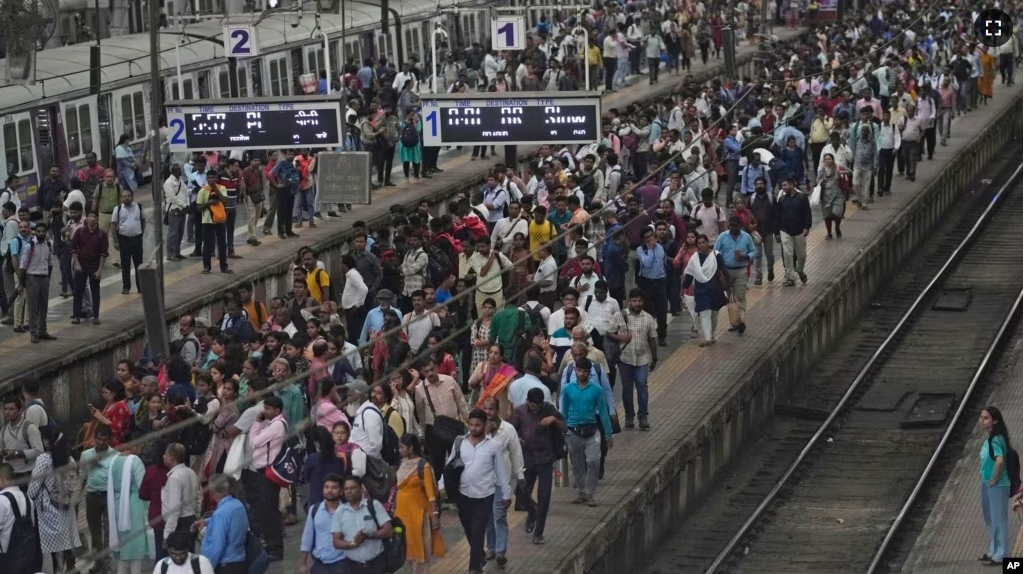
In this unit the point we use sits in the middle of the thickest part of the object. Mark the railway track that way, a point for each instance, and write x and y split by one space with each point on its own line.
817 498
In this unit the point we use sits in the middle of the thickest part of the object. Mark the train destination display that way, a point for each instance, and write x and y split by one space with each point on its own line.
267 123
511 119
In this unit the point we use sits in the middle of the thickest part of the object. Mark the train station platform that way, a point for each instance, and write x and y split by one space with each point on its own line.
120 335
705 401
954 537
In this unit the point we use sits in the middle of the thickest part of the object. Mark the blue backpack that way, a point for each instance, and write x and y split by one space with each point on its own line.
51 421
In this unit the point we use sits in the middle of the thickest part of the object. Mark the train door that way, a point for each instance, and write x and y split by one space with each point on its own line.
204 87
385 47
47 151
19 147
130 117
353 51
80 120
413 43
278 75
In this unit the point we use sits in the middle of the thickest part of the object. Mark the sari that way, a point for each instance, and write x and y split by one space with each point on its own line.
497 384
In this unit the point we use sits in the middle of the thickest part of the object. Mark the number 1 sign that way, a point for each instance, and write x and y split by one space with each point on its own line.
508 33
240 41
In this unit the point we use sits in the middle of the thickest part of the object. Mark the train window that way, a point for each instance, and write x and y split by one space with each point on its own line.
225 86
140 116
314 62
175 93
416 46
189 94
25 141
74 134
278 76
11 148
334 58
243 86
127 127
85 127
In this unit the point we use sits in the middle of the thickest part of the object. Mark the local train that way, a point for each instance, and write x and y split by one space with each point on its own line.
59 120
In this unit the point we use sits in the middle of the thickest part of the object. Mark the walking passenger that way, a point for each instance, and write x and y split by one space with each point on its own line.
737 250
794 224
995 484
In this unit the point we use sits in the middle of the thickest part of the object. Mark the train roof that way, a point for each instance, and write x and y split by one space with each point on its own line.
63 73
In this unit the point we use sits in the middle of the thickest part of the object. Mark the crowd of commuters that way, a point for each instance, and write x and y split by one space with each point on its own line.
451 361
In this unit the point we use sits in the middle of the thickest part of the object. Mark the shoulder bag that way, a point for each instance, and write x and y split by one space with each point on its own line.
447 428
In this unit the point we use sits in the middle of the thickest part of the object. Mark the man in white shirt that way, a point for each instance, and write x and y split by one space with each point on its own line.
601 311
180 496
128 223
484 473
11 494
180 559
420 322
368 429
176 207
506 228
546 277
570 298
512 457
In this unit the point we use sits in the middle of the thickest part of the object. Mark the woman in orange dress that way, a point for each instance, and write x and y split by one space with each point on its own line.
988 74
417 505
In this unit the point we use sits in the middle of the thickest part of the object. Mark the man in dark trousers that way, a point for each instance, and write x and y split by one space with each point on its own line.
792 224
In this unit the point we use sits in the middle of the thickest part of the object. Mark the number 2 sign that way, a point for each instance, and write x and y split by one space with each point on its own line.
508 33
240 41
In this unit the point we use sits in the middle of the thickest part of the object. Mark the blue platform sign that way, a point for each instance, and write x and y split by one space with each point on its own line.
508 33
240 41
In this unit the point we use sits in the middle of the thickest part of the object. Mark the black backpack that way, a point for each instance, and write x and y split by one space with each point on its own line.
1012 465
536 317
194 562
394 547
388 446
23 553
588 185
410 137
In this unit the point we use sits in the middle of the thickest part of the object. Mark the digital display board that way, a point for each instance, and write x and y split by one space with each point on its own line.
511 119
256 123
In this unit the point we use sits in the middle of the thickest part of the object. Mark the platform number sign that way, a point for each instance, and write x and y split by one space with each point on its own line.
508 33
240 41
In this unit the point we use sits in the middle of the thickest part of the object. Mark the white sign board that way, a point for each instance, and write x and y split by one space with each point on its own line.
508 33
240 41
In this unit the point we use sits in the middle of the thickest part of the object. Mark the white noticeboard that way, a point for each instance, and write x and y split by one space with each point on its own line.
240 41
508 33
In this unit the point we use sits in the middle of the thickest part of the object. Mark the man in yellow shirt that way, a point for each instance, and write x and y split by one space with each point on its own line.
318 281
211 205
541 230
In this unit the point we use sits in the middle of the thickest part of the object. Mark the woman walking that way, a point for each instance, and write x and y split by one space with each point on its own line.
681 260
995 484
418 506
55 506
126 164
833 201
702 270
411 140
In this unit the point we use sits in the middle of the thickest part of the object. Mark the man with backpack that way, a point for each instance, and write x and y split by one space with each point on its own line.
180 559
19 530
317 538
380 443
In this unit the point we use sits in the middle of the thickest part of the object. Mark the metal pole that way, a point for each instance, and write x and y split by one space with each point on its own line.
327 58
97 31
154 140
177 57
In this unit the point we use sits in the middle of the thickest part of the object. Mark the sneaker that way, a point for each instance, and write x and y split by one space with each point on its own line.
741 328
35 338
529 526
96 321
803 278
501 560
644 425
591 502
332 214
757 281
629 424
662 342
490 555
75 321
789 283
771 275
580 499
538 540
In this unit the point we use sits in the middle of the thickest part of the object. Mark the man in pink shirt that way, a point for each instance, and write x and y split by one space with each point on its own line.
947 107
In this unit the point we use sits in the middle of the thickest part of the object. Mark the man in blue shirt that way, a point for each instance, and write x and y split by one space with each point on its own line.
753 171
584 407
520 387
375 318
226 529
653 281
317 538
599 377
731 149
737 249
359 530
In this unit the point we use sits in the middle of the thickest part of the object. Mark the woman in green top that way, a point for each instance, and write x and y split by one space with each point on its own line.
995 483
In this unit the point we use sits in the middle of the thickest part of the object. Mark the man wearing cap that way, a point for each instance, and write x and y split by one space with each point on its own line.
737 249
375 318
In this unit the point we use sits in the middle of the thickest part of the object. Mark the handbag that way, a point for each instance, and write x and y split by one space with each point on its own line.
447 428
452 472
395 546
815 198
735 317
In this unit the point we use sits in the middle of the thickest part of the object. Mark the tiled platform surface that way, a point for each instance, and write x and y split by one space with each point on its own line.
955 535
122 314
690 383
